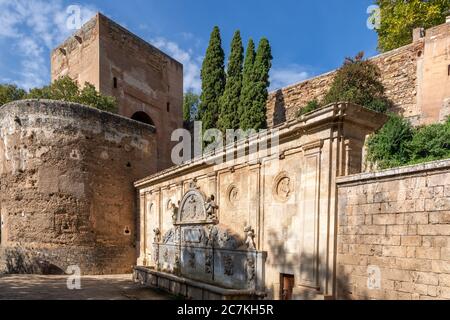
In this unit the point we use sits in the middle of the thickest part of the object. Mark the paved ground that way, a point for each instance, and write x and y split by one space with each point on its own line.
34 287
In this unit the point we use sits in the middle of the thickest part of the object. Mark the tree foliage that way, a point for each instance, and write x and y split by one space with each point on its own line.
9 92
254 101
400 17
66 89
358 81
63 89
229 102
190 105
213 81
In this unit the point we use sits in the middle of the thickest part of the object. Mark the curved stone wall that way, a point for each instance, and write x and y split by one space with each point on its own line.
66 187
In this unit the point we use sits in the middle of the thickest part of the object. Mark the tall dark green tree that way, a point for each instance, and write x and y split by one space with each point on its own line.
255 103
213 81
247 85
229 102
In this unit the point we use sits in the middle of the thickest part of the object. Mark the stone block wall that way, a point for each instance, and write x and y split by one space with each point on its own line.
394 234
66 187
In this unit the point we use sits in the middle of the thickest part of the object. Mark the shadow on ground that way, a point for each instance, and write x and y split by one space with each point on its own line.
39 287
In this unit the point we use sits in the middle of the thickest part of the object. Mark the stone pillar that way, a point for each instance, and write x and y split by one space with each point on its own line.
142 231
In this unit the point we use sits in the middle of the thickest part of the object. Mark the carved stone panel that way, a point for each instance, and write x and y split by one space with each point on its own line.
309 221
196 208
193 207
228 264
192 235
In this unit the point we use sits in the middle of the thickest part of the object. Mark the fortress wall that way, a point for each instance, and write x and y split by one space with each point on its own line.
416 78
66 186
398 74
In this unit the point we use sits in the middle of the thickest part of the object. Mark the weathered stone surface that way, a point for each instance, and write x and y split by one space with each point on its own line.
61 201
414 252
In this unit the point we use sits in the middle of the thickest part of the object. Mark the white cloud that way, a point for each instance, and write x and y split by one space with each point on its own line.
191 64
284 76
33 28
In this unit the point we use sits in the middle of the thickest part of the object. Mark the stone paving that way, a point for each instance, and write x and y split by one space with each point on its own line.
38 287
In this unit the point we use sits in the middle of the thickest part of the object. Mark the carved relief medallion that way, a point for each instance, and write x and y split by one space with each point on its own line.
283 187
233 195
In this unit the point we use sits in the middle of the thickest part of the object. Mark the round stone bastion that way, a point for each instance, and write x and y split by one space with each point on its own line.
67 199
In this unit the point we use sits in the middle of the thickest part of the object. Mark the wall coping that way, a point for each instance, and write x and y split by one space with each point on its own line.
395 172
77 110
327 116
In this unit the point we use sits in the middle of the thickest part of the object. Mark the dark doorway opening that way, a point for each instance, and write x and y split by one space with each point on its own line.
287 286
143 117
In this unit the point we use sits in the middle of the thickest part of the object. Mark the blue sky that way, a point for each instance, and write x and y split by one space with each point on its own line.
307 37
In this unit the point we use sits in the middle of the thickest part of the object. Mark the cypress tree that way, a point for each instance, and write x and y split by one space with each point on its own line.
261 69
213 81
247 86
229 102
254 102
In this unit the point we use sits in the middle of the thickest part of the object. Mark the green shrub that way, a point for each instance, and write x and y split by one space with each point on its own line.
310 106
390 146
358 81
380 105
398 143
431 142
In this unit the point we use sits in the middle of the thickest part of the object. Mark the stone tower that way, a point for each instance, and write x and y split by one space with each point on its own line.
147 83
